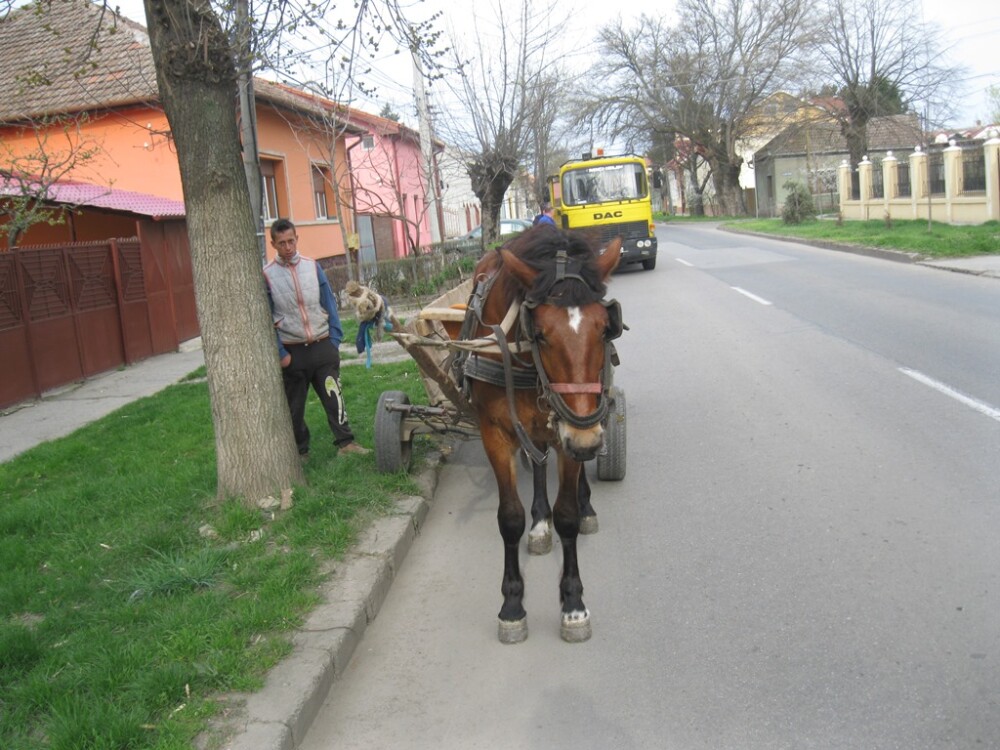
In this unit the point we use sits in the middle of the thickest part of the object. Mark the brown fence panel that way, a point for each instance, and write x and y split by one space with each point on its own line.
159 296
181 279
91 275
17 382
132 299
52 329
70 311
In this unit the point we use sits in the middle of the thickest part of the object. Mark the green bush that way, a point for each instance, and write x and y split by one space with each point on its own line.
799 205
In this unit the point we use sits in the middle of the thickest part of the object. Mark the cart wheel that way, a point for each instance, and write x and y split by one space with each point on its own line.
392 452
611 459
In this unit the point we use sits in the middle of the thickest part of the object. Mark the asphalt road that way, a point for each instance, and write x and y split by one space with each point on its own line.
803 553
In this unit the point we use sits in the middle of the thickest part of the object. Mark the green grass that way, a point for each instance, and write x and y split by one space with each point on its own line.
121 623
940 241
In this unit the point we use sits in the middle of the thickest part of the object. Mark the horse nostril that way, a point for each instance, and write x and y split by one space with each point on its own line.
584 455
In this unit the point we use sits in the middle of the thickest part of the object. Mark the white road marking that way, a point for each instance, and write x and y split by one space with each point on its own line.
980 406
752 296
575 318
684 262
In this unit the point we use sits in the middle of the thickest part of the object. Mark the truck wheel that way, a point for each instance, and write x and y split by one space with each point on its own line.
611 459
649 265
392 451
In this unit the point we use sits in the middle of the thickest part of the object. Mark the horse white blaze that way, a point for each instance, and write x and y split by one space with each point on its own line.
575 318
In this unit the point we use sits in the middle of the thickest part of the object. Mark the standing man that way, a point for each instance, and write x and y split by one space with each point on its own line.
545 217
309 335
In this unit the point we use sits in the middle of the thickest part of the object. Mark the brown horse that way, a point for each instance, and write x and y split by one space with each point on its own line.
544 384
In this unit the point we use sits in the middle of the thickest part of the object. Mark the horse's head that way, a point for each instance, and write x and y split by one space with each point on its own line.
568 323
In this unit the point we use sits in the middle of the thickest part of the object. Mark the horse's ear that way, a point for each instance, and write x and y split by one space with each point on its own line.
521 270
608 260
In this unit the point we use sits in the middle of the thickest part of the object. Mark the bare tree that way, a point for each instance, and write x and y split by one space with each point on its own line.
58 149
198 50
197 79
499 93
881 60
702 79
993 94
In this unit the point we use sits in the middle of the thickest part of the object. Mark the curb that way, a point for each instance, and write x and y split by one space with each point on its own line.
277 716
899 256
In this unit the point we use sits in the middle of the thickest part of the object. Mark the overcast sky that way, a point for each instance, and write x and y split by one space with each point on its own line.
971 29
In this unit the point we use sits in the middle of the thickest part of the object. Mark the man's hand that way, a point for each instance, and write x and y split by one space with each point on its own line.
286 360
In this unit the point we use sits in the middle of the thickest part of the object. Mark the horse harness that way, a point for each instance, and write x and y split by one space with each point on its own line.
513 372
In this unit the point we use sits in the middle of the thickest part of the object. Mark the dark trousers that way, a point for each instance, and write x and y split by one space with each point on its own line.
318 365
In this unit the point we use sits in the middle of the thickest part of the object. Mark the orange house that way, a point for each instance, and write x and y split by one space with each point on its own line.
72 112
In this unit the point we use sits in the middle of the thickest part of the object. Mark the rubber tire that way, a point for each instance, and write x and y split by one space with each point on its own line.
392 453
649 265
611 464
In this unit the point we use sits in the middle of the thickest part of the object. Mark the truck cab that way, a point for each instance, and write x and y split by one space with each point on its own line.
610 196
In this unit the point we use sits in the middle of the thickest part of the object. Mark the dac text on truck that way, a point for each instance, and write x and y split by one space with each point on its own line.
609 194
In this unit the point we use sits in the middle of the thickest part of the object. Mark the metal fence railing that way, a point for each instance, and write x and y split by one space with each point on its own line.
935 173
903 188
973 170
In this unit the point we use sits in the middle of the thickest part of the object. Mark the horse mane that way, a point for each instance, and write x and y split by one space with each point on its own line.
538 247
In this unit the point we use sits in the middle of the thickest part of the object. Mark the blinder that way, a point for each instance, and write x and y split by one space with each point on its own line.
614 329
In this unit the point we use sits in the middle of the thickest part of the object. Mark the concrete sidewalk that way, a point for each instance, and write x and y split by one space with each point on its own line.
64 410
978 265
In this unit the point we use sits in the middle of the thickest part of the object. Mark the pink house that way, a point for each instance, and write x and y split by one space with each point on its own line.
389 187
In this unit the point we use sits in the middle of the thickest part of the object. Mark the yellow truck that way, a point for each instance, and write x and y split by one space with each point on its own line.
610 195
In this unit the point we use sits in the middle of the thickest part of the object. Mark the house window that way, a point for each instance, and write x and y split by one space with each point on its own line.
319 177
367 142
272 173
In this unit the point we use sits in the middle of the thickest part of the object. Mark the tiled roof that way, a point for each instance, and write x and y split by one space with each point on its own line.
824 137
96 196
49 65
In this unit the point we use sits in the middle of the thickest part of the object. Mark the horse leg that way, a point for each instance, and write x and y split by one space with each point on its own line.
540 534
513 626
588 516
566 516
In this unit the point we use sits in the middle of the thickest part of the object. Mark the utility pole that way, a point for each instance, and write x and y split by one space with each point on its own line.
426 145
248 124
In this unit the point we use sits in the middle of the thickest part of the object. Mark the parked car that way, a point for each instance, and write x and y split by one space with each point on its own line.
471 242
507 226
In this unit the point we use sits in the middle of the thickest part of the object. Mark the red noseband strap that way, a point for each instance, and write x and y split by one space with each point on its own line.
576 387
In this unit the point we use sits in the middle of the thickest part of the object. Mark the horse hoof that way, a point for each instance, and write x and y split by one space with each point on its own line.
513 631
540 541
588 525
575 627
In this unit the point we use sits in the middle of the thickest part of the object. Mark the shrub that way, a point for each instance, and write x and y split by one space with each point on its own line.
799 205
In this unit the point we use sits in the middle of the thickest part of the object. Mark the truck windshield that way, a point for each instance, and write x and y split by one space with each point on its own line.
603 184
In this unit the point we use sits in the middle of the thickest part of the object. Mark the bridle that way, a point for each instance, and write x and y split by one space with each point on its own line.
526 337
553 392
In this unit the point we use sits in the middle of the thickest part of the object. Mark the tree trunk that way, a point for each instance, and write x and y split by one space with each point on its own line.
492 201
255 450
855 131
491 174
726 177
